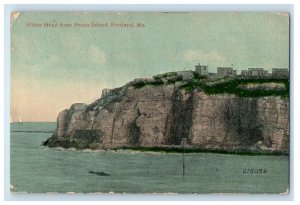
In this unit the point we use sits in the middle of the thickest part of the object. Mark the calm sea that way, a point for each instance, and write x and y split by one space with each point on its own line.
35 168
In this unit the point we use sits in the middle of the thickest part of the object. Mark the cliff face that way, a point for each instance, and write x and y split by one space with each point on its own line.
161 115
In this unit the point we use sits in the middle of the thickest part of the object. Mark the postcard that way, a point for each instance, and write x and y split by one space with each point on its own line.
149 102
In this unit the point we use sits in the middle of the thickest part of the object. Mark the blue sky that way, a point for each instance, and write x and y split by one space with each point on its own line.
51 68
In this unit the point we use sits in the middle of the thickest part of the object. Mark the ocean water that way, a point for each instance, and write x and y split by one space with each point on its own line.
38 169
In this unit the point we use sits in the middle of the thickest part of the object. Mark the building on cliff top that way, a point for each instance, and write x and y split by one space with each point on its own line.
280 72
254 72
105 91
226 71
186 75
201 69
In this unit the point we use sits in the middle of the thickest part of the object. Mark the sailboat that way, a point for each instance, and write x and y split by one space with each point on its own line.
20 120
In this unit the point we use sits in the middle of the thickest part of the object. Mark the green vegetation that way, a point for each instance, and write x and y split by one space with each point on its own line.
139 85
232 87
142 84
164 75
175 79
196 150
197 76
190 86
225 85
156 83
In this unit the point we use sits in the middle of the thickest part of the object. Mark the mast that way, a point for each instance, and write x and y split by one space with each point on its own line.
183 157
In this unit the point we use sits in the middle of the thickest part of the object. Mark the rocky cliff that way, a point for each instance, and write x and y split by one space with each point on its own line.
160 111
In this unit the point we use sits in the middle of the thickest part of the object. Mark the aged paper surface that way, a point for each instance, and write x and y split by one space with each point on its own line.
149 102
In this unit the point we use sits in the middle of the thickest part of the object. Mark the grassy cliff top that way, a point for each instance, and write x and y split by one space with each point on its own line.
233 86
255 87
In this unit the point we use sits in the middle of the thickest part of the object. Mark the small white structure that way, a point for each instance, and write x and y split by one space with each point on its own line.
254 72
244 73
226 71
105 91
186 75
280 72
201 69
257 72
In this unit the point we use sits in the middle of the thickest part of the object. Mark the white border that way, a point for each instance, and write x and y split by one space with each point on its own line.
129 197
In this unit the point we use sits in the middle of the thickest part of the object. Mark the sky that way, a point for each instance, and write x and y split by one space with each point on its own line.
54 67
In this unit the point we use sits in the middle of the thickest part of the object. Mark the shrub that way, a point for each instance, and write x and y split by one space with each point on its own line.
139 85
142 84
175 79
232 87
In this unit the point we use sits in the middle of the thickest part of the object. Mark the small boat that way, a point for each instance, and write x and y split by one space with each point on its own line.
20 120
99 173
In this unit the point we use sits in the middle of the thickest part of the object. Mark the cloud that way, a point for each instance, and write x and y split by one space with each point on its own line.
97 55
203 57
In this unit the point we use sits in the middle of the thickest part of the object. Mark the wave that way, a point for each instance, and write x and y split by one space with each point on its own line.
106 151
